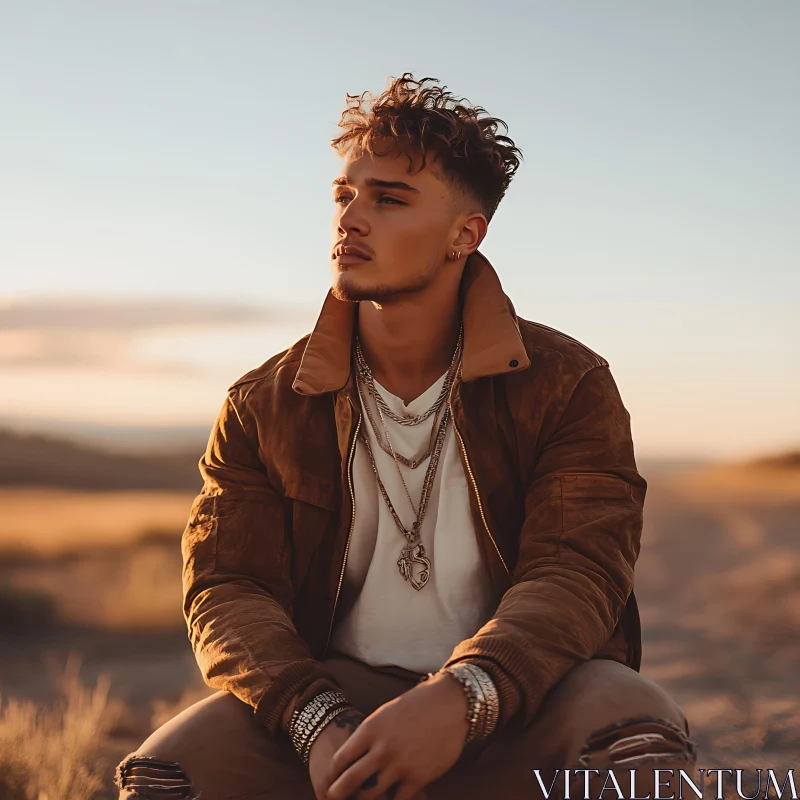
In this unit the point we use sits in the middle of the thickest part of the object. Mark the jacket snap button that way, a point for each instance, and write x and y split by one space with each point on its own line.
513 363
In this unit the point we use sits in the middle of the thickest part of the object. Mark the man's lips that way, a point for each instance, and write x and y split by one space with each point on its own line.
347 258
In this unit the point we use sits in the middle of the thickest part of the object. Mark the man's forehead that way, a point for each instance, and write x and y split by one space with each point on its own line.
390 167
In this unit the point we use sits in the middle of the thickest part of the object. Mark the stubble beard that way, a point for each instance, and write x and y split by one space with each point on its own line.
349 290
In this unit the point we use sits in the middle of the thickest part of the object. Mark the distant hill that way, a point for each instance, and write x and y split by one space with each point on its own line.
760 480
128 439
38 460
786 461
102 458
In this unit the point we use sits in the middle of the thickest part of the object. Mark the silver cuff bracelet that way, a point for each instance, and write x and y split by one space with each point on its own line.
307 722
484 705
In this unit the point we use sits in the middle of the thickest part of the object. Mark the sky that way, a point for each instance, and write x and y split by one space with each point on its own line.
165 197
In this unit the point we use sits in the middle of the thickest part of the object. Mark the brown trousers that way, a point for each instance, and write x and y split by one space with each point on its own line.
602 715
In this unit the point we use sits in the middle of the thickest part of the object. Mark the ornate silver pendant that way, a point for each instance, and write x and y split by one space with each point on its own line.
414 554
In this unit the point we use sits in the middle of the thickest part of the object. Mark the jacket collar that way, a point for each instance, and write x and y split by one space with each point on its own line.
492 341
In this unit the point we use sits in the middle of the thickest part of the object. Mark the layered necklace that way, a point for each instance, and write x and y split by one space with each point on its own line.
413 553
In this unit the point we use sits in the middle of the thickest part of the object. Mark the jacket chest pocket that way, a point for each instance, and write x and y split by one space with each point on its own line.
312 511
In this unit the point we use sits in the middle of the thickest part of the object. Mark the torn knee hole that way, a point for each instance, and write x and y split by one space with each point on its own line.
151 778
638 741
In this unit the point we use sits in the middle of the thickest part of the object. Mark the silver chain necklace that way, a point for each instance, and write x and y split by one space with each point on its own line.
414 551
408 419
364 377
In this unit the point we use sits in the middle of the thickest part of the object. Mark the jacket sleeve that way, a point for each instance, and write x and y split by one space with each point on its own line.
578 545
238 596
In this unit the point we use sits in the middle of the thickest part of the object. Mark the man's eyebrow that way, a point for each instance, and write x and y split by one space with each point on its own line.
404 187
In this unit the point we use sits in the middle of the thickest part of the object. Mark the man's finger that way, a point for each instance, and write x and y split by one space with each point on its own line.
353 748
357 777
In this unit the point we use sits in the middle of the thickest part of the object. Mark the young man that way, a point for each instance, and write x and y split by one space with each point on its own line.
410 569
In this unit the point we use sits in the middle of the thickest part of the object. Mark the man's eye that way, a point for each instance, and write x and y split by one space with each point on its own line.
385 197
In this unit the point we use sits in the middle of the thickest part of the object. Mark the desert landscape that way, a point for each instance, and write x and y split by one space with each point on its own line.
95 654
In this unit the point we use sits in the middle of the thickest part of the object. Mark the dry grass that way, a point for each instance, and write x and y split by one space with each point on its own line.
55 753
107 560
132 587
51 521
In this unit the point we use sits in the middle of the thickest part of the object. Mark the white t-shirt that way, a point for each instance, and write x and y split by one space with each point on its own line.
389 622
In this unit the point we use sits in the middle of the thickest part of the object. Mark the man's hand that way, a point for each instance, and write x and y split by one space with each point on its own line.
333 735
409 741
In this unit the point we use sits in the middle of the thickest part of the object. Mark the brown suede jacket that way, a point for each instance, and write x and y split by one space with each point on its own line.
555 495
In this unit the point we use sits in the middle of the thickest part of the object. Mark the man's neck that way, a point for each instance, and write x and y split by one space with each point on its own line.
409 343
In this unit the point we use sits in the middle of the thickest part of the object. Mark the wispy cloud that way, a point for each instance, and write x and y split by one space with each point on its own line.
134 315
100 335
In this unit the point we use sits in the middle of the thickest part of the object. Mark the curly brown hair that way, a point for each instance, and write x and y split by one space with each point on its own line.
476 161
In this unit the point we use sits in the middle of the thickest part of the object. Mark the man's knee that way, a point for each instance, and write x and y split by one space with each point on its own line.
141 776
638 751
213 750
165 766
620 718
644 740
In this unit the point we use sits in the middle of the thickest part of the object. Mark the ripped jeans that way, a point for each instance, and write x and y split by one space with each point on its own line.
602 715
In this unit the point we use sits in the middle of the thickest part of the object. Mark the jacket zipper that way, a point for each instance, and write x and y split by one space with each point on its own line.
478 497
352 524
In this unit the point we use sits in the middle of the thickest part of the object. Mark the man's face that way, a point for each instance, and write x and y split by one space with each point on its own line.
405 228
